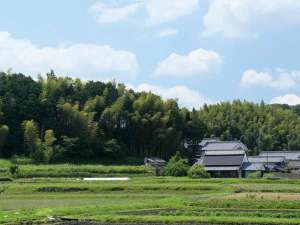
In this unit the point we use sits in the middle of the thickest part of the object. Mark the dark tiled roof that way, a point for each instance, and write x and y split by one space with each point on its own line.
223 160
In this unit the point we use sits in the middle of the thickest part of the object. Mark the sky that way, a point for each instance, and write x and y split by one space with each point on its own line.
196 51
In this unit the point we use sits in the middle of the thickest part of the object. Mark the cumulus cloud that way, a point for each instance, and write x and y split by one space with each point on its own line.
279 79
113 13
157 11
289 99
168 10
166 33
248 18
252 77
86 60
197 62
186 97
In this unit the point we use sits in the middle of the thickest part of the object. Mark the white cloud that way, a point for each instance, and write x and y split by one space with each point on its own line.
197 62
86 60
252 77
166 33
168 10
289 99
157 11
279 79
248 18
109 14
284 81
186 97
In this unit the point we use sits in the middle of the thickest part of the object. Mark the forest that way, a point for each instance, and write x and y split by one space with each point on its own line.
60 119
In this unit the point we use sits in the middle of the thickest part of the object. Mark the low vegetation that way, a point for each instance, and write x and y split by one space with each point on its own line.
176 166
145 198
8 169
197 171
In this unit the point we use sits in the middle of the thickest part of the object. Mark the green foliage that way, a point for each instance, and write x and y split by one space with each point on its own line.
64 119
72 170
151 200
176 166
31 137
254 175
4 130
271 176
14 170
259 126
197 171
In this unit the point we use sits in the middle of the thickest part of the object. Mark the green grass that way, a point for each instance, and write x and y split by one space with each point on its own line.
73 170
145 198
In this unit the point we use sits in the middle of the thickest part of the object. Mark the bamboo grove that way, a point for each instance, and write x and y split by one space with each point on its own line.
56 118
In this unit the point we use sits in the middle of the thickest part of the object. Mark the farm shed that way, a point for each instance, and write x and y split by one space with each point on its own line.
156 163
271 163
249 168
292 157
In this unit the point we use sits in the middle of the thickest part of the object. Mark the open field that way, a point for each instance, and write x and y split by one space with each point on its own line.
145 198
71 170
152 199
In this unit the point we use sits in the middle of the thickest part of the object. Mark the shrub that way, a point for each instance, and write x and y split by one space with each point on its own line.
177 166
20 160
61 189
2 179
14 170
254 175
197 171
270 176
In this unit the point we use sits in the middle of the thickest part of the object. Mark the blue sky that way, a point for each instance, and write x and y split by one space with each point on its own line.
194 50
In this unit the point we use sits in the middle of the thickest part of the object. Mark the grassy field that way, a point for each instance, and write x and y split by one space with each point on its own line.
145 198
72 170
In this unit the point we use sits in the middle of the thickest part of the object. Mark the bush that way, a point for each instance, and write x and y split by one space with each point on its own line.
14 170
270 176
254 175
197 171
177 166
20 160
7 179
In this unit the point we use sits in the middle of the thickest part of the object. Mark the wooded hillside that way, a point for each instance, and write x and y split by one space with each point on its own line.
63 119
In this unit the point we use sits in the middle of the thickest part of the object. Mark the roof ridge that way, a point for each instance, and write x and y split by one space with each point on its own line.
283 151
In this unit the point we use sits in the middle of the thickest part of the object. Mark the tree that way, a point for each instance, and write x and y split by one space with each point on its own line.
48 148
96 119
4 130
31 137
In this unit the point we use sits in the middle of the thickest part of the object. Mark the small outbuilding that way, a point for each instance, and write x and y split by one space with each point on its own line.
156 163
292 158
271 163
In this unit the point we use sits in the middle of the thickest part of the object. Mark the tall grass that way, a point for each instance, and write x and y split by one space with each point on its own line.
71 170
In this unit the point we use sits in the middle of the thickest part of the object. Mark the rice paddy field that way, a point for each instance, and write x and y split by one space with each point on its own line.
58 198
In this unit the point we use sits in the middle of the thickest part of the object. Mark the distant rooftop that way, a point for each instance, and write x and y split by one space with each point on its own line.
205 141
266 159
289 155
225 152
224 145
224 160
253 166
